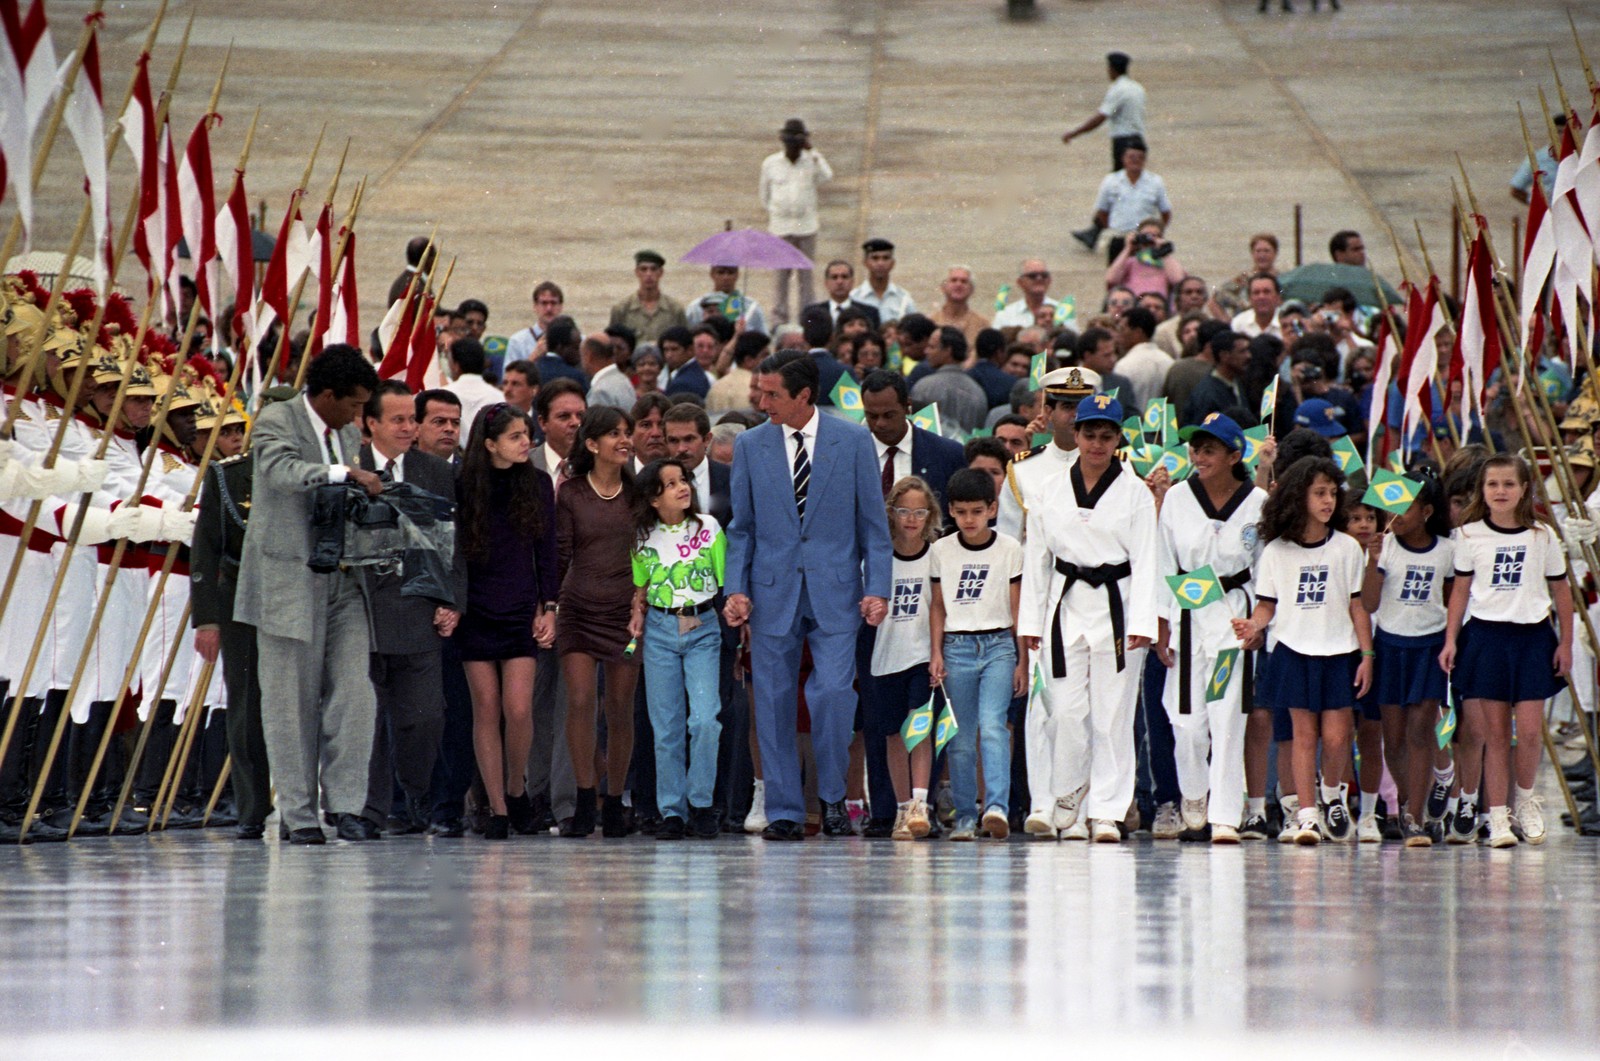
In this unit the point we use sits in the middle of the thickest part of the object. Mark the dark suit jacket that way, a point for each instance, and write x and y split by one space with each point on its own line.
820 311
690 379
721 486
829 369
936 459
404 625
551 366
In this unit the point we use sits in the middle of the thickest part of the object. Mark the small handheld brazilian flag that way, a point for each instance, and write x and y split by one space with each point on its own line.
917 726
1112 392
1036 371
927 418
1345 452
1391 492
945 729
1175 461
1269 400
1197 588
1143 459
1066 311
894 360
1222 675
1253 438
1397 462
1130 431
1001 297
846 397
1160 422
1041 438
1446 727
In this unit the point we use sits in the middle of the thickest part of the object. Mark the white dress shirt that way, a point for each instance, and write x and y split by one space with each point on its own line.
395 466
788 191
808 435
902 456
700 479
894 303
1245 324
337 471
475 392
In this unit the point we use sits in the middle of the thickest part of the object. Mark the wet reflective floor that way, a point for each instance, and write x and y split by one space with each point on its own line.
199 931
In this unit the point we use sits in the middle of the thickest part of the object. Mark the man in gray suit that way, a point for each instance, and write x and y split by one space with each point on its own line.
407 676
317 705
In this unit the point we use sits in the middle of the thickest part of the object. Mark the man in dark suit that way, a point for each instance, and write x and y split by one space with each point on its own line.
406 631
682 374
839 278
312 631
900 449
808 559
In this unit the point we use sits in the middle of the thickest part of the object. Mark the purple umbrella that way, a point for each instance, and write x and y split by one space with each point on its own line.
747 248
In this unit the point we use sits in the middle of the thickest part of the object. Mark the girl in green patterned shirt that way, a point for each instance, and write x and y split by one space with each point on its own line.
678 567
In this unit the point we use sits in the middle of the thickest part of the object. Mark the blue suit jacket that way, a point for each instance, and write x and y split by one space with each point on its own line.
772 553
690 379
936 459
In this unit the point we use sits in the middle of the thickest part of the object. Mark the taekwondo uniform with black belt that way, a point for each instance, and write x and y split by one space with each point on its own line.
1194 534
1089 583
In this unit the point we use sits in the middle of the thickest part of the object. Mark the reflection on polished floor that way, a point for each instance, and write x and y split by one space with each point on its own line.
197 930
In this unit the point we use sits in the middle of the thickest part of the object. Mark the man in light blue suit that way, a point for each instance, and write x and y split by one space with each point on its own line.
808 559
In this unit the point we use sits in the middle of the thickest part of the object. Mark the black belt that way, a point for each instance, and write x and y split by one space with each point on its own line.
1237 580
685 609
1107 575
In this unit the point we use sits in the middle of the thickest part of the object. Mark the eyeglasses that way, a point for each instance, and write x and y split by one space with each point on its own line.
1036 276
911 513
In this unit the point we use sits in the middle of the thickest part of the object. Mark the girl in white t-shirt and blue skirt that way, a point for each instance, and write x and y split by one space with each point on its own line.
1508 659
1406 587
900 649
1308 585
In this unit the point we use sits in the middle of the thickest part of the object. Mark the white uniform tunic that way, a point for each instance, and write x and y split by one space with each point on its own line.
20 623
1209 737
1091 681
129 595
172 478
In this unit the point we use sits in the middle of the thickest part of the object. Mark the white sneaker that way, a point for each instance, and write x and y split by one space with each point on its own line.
1078 830
1530 815
917 819
901 830
1307 832
1066 813
995 824
1168 823
1105 832
1040 823
1500 834
1224 834
1194 813
1367 831
1291 809
756 820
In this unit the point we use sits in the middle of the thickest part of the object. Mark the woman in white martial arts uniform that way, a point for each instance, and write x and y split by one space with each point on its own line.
1089 601
1210 521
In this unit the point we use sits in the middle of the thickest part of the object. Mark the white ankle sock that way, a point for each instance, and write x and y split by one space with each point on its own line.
1258 806
920 794
1523 794
1369 803
1330 793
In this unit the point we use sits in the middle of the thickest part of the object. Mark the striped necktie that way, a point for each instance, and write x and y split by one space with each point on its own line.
802 473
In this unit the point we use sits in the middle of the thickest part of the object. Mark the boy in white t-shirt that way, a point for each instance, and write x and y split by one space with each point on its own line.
976 576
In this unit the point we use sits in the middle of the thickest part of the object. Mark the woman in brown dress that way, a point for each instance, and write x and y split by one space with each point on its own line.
595 537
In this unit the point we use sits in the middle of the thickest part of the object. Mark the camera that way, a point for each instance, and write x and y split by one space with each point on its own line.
1309 373
1330 316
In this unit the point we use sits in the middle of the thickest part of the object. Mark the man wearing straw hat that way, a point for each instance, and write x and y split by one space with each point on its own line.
788 190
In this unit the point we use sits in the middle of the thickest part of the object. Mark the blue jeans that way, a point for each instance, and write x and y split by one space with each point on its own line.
675 666
978 670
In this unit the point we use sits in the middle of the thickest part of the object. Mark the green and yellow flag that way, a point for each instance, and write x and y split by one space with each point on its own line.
1066 311
1001 297
846 397
1269 400
1196 589
1391 492
1111 392
1222 675
1041 438
1175 461
1143 458
894 360
1347 456
1130 431
927 418
1397 462
1253 438
917 726
946 728
1446 727
1161 422
1036 371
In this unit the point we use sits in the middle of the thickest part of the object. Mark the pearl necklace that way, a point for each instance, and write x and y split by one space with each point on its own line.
604 497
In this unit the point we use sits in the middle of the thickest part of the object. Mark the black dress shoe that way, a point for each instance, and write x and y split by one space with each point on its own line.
498 827
784 830
519 809
704 822
836 819
250 831
355 828
670 828
878 828
311 836
448 830
613 820
581 823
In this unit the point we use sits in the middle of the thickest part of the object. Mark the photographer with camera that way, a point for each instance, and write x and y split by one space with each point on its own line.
1313 368
1146 265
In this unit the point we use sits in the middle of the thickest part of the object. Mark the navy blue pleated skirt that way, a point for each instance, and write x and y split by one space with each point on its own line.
1506 661
1312 683
1408 668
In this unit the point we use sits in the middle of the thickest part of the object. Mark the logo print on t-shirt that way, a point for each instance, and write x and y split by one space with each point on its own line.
1418 582
1313 588
1508 565
907 597
970 586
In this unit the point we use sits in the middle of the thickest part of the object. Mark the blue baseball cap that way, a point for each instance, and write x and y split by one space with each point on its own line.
1221 427
1321 417
1099 407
